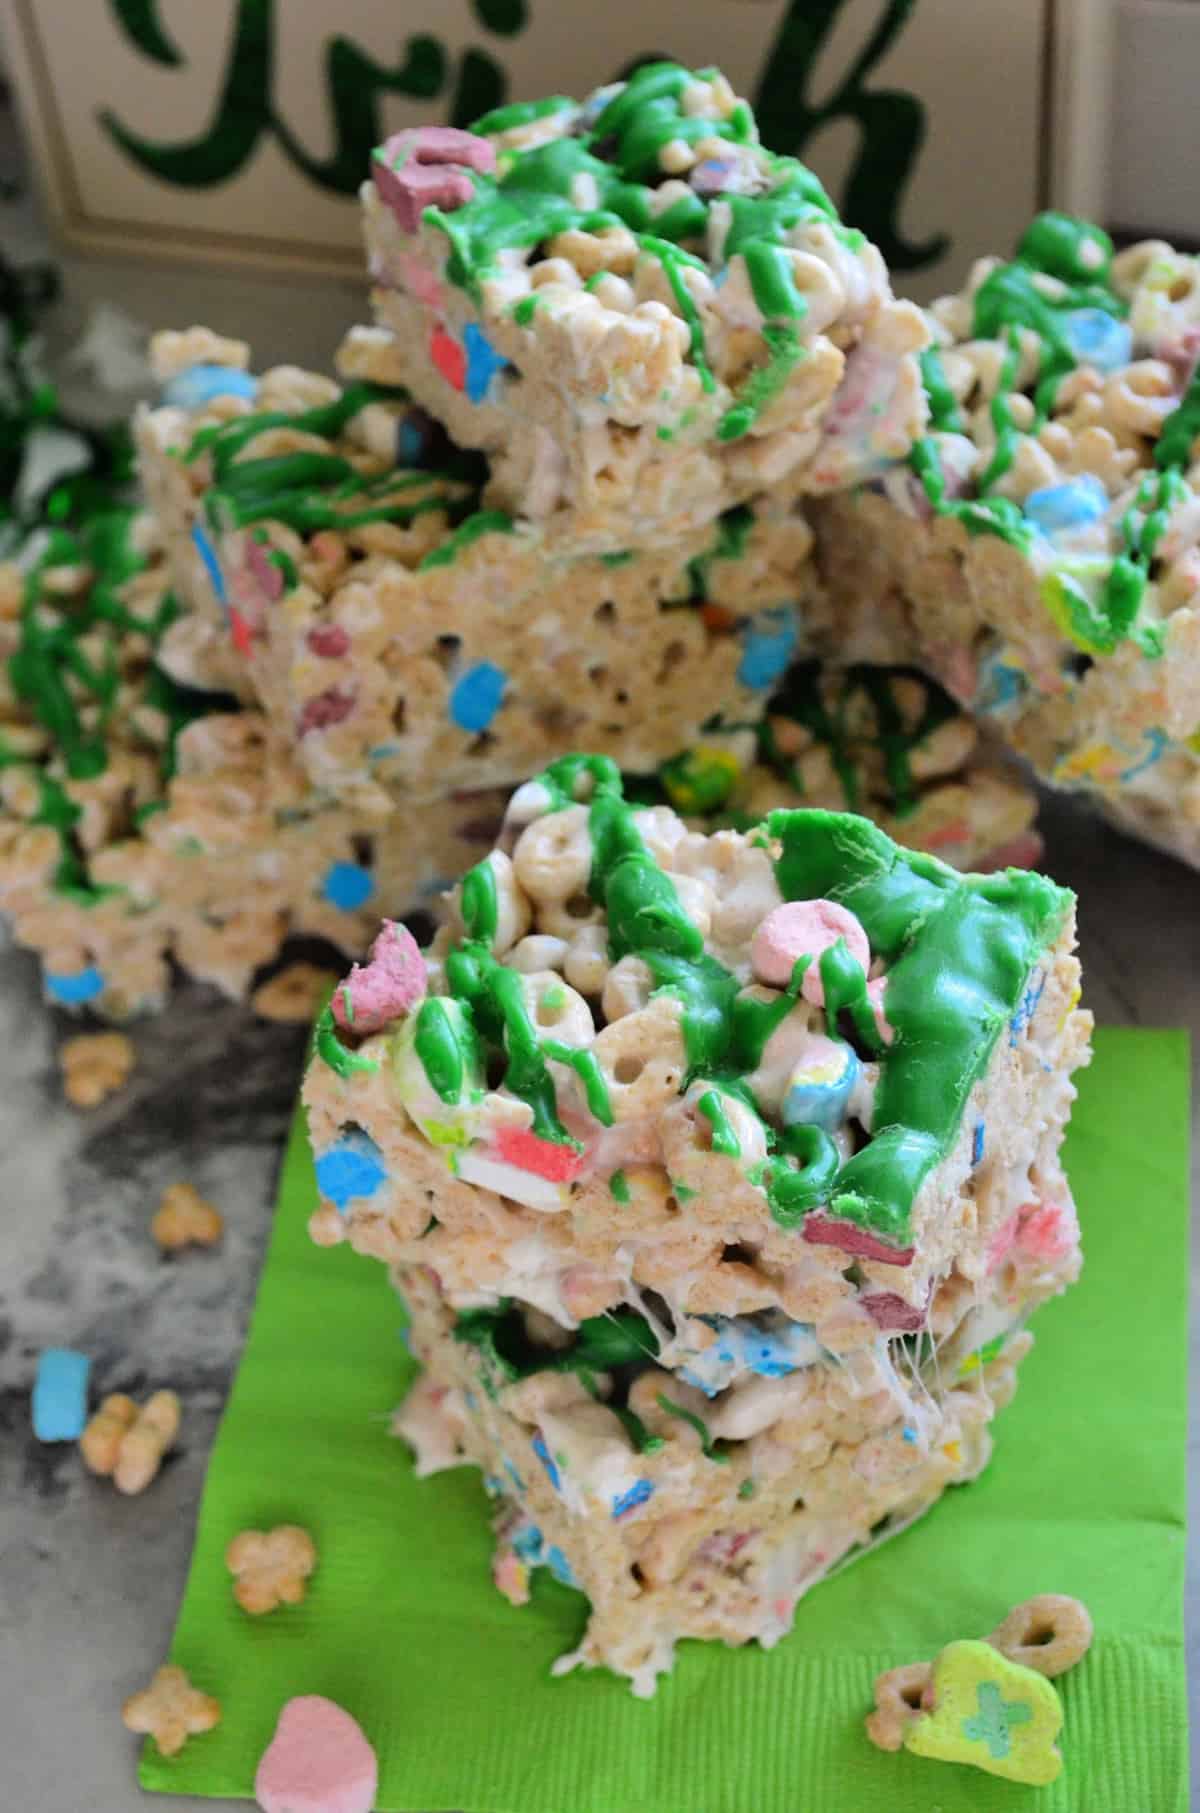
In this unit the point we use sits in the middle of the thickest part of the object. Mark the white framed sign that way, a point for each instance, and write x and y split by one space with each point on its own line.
238 130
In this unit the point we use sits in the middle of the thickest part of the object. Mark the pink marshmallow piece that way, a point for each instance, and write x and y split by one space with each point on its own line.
875 993
419 280
318 1761
388 986
890 1311
266 574
805 928
426 167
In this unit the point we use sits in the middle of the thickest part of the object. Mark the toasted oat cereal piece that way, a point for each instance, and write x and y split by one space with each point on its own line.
184 1218
150 1436
270 1567
717 331
293 994
94 1066
100 1443
171 1710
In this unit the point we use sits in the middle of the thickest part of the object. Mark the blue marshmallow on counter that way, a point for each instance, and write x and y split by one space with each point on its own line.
60 1395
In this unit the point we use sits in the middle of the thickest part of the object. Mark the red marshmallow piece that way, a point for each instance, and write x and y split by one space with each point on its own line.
544 1157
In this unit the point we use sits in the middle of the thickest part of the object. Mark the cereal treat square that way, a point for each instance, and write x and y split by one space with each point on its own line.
406 642
1038 550
698 1478
792 1082
641 314
141 821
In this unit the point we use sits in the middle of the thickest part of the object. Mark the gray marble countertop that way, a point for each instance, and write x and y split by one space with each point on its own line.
89 1581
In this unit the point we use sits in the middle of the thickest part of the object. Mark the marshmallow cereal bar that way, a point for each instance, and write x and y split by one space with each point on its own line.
405 641
142 821
641 314
691 1153
1039 549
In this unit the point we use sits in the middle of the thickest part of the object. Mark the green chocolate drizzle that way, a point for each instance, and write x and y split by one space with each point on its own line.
340 1059
310 491
71 672
724 1139
958 950
826 705
695 1422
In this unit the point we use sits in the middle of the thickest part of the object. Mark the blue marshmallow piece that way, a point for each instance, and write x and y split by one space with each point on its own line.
350 1170
60 1395
483 362
208 555
347 885
199 384
638 1493
74 991
476 695
1096 338
820 1085
1071 505
768 643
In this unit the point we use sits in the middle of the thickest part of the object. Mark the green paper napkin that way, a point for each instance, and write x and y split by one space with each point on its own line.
452 1685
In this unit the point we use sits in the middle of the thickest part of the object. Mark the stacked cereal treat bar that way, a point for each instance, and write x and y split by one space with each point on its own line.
719 1173
406 642
142 821
641 314
1039 550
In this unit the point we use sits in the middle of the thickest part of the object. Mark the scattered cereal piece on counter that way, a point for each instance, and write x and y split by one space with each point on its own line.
1048 1634
100 1443
270 1567
94 1066
170 1710
184 1218
293 996
142 1447
60 1395
318 1761
898 1695
991 1713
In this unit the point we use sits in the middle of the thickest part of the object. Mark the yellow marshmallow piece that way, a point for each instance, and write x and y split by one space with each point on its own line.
992 1713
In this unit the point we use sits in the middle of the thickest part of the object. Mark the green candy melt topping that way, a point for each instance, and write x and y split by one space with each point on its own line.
309 490
67 670
836 724
340 1059
614 159
958 949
